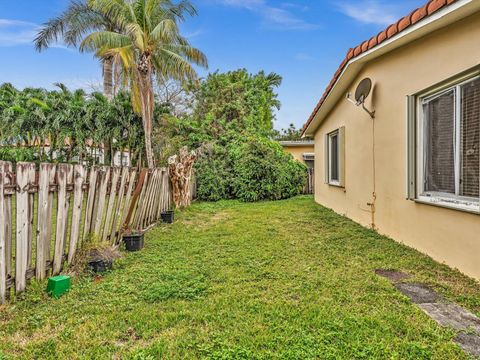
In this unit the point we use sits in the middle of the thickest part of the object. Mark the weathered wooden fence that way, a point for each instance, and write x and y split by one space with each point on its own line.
310 186
46 214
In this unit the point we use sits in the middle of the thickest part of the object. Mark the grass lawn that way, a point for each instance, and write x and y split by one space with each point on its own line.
286 280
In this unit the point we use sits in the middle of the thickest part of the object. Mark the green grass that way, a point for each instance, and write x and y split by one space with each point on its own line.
274 280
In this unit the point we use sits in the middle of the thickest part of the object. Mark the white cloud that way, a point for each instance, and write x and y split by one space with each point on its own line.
371 11
273 16
18 32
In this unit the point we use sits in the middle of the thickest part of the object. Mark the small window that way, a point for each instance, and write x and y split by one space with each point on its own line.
448 152
334 157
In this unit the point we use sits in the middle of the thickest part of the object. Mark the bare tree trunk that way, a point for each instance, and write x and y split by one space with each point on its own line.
180 169
108 77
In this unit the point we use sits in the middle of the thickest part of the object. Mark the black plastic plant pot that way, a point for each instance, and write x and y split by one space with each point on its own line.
100 266
133 242
168 216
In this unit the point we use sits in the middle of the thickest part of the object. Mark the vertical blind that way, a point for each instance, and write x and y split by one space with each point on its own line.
440 143
470 139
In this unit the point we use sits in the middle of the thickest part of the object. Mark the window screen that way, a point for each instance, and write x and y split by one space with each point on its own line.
470 139
440 143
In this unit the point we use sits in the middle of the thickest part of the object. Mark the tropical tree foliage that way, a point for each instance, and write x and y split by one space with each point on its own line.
232 124
72 124
148 44
71 27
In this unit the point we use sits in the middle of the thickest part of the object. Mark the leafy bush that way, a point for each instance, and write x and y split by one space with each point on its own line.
254 169
263 171
214 175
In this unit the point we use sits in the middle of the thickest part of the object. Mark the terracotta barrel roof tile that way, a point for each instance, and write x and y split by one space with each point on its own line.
404 23
373 42
435 5
392 30
419 14
382 36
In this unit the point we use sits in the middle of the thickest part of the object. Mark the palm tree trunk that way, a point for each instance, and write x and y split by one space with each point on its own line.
147 100
108 77
108 92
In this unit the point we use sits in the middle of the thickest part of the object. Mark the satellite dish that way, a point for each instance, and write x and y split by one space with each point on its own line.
361 94
363 90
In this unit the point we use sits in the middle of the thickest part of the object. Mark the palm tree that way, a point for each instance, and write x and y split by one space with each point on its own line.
77 21
147 44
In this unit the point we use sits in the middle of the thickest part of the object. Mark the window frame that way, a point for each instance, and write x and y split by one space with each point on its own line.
340 134
455 201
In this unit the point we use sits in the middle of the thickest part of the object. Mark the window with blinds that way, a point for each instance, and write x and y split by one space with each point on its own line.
451 141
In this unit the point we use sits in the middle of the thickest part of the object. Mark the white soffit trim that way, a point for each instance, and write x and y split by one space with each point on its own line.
442 18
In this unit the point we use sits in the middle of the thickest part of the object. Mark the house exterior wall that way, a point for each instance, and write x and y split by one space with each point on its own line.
298 151
449 236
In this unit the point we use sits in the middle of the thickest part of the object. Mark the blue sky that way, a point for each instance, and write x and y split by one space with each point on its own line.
303 41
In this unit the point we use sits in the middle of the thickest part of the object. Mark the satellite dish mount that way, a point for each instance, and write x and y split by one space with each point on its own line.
361 95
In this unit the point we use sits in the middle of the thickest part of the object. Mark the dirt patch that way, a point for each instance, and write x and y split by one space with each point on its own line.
394 276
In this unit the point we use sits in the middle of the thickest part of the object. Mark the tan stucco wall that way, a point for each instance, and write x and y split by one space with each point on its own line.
448 236
298 151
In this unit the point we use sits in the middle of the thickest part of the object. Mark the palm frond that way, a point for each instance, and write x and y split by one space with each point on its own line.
104 40
166 31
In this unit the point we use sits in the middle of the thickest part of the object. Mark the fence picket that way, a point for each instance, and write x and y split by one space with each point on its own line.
127 204
63 172
7 170
117 210
111 203
44 223
23 232
3 254
138 205
100 202
79 180
92 186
